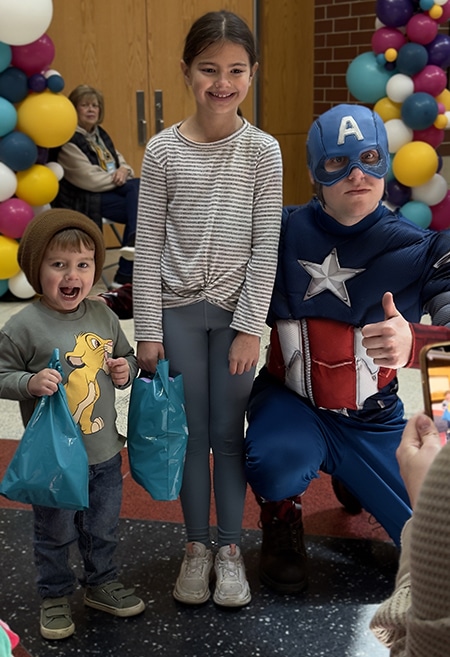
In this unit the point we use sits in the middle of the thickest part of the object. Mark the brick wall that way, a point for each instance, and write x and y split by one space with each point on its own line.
343 30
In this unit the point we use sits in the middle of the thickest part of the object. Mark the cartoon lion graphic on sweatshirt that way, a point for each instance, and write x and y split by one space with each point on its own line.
89 357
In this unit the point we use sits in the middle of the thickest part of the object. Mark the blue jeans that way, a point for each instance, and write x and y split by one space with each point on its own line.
95 530
120 205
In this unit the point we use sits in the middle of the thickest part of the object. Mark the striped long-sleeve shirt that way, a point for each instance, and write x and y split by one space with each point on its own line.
208 227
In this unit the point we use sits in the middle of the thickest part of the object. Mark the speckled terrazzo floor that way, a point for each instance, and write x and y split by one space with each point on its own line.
349 578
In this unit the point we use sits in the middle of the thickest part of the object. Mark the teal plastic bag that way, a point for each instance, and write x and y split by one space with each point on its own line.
50 464
157 433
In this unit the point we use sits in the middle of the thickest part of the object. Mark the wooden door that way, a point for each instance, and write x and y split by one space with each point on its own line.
125 46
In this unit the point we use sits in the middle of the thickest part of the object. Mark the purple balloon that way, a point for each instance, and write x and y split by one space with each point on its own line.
37 82
42 156
394 13
397 194
439 51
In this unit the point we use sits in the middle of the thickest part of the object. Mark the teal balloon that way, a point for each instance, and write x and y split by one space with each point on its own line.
8 117
417 212
5 56
366 79
3 286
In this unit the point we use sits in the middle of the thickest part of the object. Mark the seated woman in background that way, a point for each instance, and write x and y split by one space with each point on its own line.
97 180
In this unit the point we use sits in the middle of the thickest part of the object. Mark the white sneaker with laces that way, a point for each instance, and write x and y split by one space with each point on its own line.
192 585
232 589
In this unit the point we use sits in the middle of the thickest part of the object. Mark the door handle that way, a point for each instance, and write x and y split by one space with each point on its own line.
159 121
141 122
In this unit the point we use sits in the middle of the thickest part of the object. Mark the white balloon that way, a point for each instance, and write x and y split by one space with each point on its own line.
37 209
440 2
8 182
399 87
398 134
20 286
51 71
447 127
24 21
56 168
432 192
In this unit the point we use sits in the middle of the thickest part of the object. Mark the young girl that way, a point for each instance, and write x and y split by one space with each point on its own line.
206 250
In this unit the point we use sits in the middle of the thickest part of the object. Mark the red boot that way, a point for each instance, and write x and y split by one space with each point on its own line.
283 562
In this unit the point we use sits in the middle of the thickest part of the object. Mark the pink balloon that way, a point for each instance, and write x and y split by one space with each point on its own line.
421 29
431 80
445 13
33 57
441 214
431 135
387 37
15 215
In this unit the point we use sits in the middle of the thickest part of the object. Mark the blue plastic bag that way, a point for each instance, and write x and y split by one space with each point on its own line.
157 433
50 464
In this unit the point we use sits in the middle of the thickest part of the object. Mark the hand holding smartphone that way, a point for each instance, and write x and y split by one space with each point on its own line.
435 371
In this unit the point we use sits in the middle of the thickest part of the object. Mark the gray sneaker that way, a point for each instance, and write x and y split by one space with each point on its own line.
232 589
192 585
56 618
115 599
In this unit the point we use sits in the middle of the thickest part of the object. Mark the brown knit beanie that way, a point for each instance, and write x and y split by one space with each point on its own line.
42 229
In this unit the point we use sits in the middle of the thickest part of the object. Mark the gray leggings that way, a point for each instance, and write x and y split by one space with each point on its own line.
197 339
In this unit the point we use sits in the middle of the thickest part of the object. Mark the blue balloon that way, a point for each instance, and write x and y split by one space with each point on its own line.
366 79
8 117
394 13
13 84
439 51
419 111
5 55
18 151
417 212
55 83
411 58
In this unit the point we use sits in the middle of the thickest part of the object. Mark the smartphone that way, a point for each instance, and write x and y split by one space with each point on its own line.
435 371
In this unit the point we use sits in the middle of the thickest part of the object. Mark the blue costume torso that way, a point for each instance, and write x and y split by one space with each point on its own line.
330 283
339 272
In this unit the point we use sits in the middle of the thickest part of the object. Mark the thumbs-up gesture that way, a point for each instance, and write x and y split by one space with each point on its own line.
388 343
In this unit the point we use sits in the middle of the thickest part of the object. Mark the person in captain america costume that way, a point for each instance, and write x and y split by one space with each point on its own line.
353 281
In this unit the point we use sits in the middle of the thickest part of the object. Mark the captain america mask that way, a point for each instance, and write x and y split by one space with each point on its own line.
350 136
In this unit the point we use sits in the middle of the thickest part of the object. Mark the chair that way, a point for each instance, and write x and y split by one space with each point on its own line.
112 225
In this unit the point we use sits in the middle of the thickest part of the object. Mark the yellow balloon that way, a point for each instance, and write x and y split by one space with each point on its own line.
444 98
48 119
435 12
441 122
415 163
9 266
387 109
37 185
391 54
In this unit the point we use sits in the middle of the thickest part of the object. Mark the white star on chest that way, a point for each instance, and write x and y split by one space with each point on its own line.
328 275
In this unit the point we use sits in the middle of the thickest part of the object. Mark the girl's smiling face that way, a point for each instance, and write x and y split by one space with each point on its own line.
220 77
67 277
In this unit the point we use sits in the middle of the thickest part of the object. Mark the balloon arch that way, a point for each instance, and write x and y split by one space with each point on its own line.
404 77
34 116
